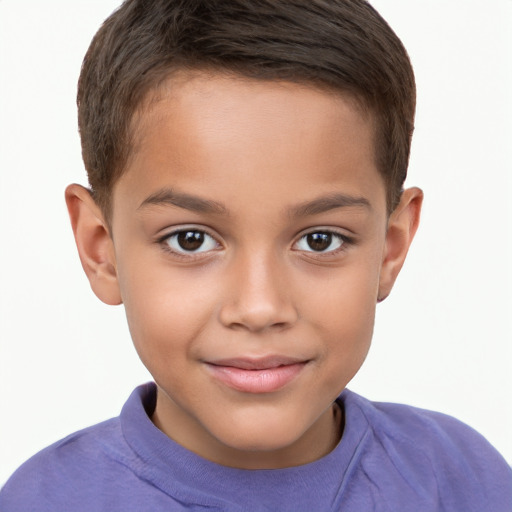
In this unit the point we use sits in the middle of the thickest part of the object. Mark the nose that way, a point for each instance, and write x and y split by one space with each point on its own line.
258 298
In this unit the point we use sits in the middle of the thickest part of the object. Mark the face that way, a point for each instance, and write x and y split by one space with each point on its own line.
249 231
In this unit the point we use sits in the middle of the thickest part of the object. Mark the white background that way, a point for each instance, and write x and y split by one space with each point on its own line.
443 338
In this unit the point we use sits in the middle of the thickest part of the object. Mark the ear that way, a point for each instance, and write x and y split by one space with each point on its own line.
402 226
94 243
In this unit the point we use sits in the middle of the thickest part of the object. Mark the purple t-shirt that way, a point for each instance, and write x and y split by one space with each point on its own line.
391 458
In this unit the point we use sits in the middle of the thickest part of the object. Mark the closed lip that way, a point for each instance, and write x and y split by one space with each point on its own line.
257 363
256 375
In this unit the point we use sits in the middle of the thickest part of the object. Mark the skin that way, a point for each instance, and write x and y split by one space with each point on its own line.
259 155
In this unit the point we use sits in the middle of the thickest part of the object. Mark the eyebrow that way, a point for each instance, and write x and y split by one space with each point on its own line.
170 197
327 203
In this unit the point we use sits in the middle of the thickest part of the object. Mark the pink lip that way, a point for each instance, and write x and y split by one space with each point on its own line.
263 375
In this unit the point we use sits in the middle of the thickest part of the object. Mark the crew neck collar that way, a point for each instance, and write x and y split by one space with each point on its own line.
190 478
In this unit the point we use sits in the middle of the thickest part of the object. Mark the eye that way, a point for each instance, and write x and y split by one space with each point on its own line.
320 241
190 241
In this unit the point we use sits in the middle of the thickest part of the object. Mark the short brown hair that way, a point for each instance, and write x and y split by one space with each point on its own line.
344 45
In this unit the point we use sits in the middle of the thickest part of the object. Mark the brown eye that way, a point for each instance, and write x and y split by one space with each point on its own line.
319 241
191 240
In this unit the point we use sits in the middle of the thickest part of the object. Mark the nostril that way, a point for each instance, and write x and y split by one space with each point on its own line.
253 320
280 325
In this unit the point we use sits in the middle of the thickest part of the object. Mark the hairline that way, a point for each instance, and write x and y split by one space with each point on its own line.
158 90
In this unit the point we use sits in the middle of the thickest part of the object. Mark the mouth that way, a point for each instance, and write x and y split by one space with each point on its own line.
256 375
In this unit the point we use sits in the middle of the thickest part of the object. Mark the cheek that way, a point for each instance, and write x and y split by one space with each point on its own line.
345 300
349 325
165 310
345 318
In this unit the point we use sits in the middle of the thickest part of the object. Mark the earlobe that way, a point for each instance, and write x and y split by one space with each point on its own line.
402 226
94 243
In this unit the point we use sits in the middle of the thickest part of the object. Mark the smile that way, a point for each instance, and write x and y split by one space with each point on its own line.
256 375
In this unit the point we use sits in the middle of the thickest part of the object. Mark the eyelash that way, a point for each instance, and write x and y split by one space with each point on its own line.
164 243
345 242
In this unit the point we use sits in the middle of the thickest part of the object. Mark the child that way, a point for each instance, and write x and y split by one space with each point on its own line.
246 163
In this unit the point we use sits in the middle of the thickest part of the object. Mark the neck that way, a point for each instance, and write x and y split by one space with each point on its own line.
318 441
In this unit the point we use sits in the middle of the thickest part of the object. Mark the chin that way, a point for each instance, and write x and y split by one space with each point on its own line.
259 436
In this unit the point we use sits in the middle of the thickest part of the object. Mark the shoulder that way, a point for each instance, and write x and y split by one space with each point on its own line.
435 433
427 446
50 477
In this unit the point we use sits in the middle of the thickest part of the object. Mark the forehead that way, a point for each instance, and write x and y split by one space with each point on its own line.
207 131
